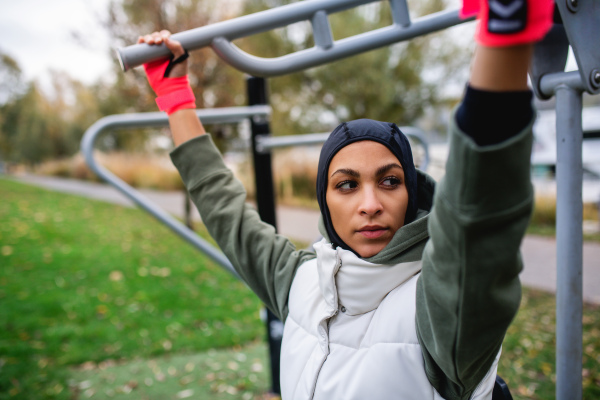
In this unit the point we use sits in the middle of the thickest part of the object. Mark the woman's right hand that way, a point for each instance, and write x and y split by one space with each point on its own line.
168 76
164 36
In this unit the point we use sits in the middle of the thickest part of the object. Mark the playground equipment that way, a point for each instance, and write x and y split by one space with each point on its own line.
578 27
220 35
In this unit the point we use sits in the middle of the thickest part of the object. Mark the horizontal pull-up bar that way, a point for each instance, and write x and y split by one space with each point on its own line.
220 35
266 143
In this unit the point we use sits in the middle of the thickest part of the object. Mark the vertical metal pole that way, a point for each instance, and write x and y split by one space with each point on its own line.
569 237
188 210
265 201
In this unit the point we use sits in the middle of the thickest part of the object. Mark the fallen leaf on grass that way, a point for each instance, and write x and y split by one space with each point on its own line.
7 250
257 367
186 380
184 394
232 365
85 385
115 276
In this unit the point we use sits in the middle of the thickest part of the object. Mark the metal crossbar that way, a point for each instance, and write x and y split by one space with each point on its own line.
159 119
266 143
220 36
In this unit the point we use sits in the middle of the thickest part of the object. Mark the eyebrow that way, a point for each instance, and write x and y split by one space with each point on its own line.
347 171
386 168
380 171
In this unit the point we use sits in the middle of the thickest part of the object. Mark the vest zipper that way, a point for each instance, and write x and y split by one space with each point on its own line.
335 311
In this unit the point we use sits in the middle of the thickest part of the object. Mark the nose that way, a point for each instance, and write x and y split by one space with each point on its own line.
369 203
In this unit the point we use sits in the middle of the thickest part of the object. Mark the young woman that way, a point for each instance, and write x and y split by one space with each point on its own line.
408 295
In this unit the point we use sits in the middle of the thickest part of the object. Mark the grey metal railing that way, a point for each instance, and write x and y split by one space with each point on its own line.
266 143
159 119
220 35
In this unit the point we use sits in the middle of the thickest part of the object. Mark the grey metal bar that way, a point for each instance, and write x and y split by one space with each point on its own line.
322 30
400 14
569 235
247 25
157 119
265 144
220 36
346 47
550 82
580 19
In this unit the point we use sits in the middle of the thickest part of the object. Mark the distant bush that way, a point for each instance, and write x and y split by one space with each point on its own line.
137 170
544 212
74 167
296 177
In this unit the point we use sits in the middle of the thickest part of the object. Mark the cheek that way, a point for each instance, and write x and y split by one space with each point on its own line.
338 208
399 203
332 203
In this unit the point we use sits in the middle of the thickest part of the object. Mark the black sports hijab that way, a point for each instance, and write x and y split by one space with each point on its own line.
385 133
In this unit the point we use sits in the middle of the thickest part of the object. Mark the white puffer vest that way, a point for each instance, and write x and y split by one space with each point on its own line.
351 334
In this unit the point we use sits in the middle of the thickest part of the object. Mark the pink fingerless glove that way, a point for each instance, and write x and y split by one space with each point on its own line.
509 22
173 93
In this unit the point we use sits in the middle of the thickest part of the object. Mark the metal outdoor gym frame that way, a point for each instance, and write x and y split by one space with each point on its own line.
262 143
577 24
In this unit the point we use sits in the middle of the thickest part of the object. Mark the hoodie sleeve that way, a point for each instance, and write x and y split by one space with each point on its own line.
469 290
266 261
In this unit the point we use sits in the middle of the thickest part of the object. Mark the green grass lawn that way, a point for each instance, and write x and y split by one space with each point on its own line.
100 301
84 281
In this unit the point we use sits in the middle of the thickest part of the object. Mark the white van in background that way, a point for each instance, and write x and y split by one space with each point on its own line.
543 157
544 148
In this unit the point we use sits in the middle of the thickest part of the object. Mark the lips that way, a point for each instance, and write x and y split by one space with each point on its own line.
372 231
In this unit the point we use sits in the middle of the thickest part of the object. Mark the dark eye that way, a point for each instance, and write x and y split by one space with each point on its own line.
390 182
346 186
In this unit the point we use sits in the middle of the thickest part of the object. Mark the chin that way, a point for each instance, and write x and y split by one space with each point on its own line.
369 250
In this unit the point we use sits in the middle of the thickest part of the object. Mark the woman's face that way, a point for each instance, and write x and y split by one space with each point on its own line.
366 195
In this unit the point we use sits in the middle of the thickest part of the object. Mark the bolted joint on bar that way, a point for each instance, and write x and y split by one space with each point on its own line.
595 78
573 5
549 83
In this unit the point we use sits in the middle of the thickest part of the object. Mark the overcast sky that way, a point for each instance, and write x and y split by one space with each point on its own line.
39 35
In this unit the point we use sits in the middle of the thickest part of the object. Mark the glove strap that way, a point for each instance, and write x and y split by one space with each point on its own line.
173 62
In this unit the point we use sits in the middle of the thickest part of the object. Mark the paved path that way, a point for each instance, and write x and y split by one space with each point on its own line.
539 253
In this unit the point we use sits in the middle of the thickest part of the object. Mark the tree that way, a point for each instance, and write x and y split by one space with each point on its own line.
214 83
35 126
388 84
11 79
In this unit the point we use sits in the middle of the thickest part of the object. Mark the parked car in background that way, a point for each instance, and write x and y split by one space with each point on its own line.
544 148
543 157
